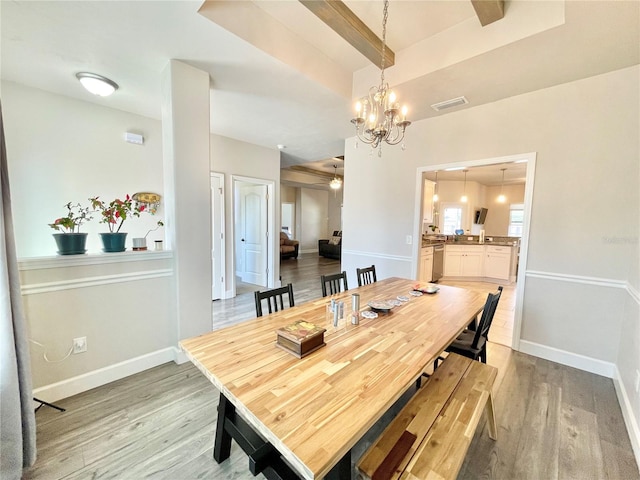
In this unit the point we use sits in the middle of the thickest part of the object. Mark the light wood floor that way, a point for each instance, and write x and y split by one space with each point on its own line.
554 422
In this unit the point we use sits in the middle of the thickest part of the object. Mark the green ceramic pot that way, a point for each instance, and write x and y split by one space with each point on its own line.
71 243
113 242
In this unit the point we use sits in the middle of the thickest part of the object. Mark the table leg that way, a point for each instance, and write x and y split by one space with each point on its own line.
222 445
342 470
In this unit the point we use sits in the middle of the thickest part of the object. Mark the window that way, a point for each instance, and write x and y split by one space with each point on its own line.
516 220
451 219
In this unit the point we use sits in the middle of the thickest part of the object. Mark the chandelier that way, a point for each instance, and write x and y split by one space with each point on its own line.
378 115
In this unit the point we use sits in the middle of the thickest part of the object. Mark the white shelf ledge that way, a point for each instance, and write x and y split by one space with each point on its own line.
63 261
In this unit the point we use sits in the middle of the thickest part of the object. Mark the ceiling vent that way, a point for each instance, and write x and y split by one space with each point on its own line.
454 102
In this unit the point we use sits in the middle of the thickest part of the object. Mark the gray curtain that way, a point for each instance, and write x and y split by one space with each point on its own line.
17 418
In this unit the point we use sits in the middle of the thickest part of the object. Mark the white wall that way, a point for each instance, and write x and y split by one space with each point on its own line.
314 207
334 211
585 134
62 150
233 157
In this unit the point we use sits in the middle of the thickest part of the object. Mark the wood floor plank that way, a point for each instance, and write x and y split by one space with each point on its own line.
580 454
611 426
496 459
619 462
577 389
537 452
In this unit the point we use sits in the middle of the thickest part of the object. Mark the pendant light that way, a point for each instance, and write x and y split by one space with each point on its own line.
336 183
464 198
435 189
501 198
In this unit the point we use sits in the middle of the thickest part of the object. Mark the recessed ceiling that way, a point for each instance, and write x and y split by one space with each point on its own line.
265 98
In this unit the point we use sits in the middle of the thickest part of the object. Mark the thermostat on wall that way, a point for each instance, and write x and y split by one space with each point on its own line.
134 138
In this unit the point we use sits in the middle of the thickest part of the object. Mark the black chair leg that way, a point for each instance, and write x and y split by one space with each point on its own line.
436 361
419 380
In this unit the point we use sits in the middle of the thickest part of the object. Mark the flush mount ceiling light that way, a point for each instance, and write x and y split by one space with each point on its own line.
335 183
501 198
464 198
378 116
97 84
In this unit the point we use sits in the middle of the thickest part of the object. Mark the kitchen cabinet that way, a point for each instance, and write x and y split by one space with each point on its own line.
497 262
463 260
427 202
426 264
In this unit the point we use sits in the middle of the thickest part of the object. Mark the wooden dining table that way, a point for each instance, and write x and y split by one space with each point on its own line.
311 411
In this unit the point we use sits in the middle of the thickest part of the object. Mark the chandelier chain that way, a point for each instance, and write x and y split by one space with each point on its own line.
385 16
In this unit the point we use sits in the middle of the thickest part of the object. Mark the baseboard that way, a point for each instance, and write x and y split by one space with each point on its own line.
627 413
87 381
575 360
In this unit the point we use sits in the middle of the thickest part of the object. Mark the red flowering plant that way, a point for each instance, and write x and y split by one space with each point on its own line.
76 216
117 211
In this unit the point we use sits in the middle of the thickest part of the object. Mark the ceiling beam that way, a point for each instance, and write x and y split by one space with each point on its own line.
311 171
344 22
488 11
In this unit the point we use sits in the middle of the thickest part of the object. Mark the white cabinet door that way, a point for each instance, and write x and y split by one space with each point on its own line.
497 265
426 267
453 264
472 263
427 202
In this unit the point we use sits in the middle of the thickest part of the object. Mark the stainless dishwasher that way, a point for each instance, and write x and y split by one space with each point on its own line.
438 261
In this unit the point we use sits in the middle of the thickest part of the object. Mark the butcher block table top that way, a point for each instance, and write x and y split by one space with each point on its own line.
315 409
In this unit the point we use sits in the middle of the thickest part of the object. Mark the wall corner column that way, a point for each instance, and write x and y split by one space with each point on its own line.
186 137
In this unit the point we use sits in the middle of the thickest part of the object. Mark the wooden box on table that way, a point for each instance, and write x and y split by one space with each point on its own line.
300 338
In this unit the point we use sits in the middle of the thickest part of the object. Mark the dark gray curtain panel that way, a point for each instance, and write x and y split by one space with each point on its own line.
17 418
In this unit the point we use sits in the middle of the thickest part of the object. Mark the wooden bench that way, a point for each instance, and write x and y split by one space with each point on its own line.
430 436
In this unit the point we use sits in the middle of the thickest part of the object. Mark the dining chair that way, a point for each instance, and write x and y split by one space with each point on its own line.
272 296
366 275
473 343
333 282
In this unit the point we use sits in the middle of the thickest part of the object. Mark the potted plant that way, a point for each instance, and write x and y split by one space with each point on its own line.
71 241
114 215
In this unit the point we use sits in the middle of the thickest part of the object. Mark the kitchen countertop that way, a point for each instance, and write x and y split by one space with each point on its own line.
428 243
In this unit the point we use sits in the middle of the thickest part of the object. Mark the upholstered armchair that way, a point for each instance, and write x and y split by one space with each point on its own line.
288 248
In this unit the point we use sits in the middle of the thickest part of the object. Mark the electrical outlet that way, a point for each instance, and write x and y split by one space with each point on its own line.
79 345
637 381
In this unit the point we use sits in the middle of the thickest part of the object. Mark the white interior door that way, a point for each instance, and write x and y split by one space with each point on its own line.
287 218
253 234
217 236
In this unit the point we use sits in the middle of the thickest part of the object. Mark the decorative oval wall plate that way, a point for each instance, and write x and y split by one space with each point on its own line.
146 197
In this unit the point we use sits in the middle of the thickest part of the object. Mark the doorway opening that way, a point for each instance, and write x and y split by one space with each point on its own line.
218 251
423 204
253 234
